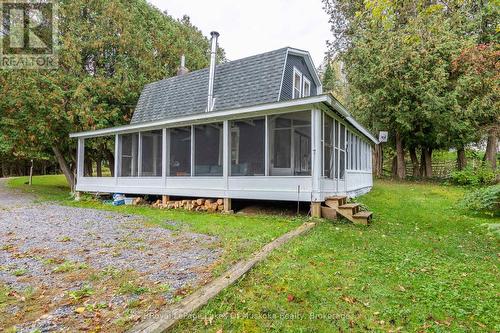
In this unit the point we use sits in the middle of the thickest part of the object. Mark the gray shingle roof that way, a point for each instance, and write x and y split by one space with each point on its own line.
245 82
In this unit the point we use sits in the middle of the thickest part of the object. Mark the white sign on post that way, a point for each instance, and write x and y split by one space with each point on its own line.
383 136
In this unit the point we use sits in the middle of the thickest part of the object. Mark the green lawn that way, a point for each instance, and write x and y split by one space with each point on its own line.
423 265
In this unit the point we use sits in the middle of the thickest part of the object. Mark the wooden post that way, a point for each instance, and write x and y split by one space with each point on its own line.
31 174
78 196
315 209
227 205
165 199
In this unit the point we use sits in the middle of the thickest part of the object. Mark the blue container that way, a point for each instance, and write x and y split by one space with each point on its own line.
118 202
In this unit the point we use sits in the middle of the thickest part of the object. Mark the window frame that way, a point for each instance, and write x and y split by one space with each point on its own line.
305 81
296 72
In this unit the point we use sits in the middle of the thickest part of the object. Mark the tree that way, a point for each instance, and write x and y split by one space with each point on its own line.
398 60
477 82
109 50
334 81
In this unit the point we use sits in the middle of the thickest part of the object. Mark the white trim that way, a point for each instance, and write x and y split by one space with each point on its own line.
117 157
304 81
246 112
193 138
296 72
283 74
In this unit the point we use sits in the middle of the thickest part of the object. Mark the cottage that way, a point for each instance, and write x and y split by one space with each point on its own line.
255 128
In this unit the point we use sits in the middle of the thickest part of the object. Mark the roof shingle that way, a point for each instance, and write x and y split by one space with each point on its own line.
245 82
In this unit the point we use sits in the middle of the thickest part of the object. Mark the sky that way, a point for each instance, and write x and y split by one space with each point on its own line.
255 26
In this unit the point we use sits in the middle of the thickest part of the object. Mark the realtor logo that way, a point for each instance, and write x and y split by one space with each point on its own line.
28 34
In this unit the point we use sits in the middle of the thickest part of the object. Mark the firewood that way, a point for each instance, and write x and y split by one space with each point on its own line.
200 202
220 201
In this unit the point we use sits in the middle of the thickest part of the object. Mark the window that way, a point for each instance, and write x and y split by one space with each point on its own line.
297 84
248 140
129 151
208 150
342 151
99 157
151 153
348 150
290 144
179 151
328 166
306 91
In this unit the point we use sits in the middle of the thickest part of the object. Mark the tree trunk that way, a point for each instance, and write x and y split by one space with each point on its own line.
428 162
422 163
414 162
64 167
491 148
461 159
394 167
400 155
99 167
88 166
111 160
377 160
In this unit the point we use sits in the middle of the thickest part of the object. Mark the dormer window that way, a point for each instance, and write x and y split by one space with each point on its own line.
306 91
297 83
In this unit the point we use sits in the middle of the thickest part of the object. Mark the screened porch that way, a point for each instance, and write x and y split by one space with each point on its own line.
302 155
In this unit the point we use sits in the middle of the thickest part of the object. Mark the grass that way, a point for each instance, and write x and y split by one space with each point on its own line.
423 265
239 236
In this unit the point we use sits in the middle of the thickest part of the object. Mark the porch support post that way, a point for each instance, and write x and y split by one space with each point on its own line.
164 158
316 209
316 156
226 160
266 147
193 137
80 158
228 205
139 155
117 157
226 163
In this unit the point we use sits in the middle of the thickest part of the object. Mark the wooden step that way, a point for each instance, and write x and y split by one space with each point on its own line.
362 218
335 201
328 213
349 209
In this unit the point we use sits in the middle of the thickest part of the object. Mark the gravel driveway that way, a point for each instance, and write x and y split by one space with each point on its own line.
75 269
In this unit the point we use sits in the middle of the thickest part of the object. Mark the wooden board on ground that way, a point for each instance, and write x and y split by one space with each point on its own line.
170 316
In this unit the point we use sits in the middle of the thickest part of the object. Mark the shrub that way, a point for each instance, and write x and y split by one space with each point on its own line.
482 175
484 200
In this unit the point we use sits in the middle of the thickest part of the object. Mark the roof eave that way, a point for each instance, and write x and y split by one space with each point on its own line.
215 115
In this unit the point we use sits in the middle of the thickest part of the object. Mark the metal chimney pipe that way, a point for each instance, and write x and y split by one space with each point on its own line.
211 77
182 70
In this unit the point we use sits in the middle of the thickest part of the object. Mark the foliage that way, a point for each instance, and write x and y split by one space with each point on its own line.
109 49
475 176
416 68
483 200
334 81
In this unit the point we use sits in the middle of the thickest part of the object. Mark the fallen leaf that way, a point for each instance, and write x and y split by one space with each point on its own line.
290 298
80 310
350 300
